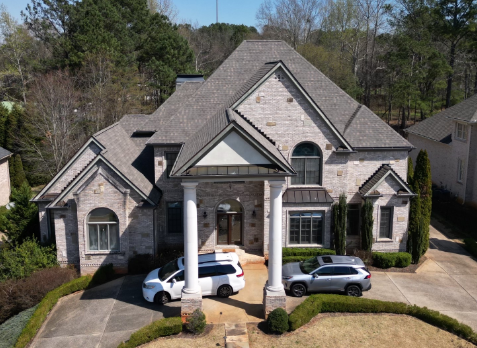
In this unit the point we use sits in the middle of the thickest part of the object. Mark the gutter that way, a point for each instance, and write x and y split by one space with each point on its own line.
467 167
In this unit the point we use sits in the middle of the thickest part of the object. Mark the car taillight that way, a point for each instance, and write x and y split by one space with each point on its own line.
240 275
368 276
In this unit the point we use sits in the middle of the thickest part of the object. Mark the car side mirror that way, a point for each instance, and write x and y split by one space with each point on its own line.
174 280
315 275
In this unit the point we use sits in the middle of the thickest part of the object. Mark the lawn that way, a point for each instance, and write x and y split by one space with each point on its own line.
334 330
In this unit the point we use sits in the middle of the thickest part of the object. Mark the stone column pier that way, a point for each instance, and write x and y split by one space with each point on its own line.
191 298
274 294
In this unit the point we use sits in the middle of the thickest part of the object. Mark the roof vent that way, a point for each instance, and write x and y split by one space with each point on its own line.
188 78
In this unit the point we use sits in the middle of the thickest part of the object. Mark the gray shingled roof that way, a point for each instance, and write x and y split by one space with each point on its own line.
4 153
377 176
134 162
212 128
465 111
237 74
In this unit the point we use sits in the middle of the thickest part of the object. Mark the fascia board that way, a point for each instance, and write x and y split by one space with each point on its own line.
67 166
302 91
403 184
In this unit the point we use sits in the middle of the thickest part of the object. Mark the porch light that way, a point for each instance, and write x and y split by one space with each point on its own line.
254 214
205 215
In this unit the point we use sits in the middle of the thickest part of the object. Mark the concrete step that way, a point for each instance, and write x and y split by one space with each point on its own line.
236 335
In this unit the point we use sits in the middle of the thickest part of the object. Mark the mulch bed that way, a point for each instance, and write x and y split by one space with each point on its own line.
409 269
190 335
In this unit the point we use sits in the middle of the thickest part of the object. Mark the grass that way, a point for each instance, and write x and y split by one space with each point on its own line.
215 338
360 331
12 328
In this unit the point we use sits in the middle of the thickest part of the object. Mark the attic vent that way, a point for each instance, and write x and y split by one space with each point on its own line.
279 77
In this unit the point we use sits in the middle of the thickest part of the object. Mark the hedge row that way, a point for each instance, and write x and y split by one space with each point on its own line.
159 328
306 252
387 260
321 303
471 246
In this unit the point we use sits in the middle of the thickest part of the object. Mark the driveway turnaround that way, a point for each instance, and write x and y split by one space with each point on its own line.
446 281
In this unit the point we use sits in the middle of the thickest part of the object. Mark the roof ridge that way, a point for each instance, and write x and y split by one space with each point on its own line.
77 174
355 113
105 129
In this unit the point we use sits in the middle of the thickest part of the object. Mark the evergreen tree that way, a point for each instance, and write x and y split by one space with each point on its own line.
3 117
19 177
415 224
11 124
340 211
11 169
423 183
410 170
367 222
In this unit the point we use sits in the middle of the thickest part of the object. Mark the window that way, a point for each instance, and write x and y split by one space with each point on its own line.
385 223
225 269
306 227
103 231
460 170
352 225
179 277
306 160
170 159
174 217
341 270
325 271
461 131
205 272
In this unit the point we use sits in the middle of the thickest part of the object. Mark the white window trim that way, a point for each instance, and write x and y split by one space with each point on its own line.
303 245
463 132
102 251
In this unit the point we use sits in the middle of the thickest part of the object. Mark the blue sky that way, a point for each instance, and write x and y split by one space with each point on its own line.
200 11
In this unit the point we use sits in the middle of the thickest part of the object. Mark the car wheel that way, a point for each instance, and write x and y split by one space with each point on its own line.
224 291
298 290
162 298
353 290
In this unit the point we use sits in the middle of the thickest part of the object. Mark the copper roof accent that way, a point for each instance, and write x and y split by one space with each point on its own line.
300 195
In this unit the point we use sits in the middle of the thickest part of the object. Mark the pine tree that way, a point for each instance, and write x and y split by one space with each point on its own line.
3 118
423 183
19 175
11 169
410 170
10 129
415 224
339 212
367 222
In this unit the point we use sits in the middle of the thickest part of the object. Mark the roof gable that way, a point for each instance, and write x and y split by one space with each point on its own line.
4 153
371 186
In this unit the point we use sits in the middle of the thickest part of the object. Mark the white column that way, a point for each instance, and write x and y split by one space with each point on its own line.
191 247
275 238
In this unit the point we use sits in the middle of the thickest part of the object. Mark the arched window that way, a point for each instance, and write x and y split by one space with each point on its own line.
103 230
229 222
306 160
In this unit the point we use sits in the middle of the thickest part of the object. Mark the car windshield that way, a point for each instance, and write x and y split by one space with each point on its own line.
169 269
309 265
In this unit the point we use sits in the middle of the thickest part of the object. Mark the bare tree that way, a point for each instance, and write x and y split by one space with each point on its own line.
164 7
51 123
289 20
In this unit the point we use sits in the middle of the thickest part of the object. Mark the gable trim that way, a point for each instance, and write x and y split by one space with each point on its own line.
398 179
66 167
106 176
302 91
88 170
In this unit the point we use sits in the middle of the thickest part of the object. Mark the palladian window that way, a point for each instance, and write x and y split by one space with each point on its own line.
306 160
103 230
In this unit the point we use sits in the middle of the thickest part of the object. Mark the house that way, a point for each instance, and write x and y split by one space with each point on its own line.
5 187
450 139
252 159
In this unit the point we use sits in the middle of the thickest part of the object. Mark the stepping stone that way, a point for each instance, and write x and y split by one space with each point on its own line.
236 335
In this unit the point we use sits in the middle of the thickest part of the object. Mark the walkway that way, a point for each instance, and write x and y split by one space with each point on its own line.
446 282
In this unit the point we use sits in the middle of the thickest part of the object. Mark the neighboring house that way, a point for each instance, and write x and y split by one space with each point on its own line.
5 187
252 158
450 139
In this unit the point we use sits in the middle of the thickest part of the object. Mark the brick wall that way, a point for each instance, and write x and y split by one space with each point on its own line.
4 182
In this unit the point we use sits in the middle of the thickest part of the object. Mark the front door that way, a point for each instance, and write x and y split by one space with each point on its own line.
229 229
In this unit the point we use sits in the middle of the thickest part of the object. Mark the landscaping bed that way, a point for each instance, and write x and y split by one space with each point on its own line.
412 268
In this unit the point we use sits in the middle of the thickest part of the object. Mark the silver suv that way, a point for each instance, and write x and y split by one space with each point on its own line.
327 273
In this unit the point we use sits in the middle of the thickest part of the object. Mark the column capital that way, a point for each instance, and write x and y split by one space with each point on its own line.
276 183
190 184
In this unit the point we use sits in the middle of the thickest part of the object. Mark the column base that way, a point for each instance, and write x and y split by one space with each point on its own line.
273 300
189 303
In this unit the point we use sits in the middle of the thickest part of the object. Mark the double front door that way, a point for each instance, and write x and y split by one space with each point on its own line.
229 229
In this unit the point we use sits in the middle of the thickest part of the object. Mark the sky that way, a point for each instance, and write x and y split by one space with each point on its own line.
194 11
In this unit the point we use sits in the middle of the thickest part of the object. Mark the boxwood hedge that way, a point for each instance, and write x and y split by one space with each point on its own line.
159 328
306 252
321 303
387 260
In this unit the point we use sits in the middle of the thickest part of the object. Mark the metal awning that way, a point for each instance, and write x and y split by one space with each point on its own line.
307 196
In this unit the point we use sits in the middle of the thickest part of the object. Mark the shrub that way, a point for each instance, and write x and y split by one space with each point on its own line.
387 260
21 294
12 328
103 274
46 305
336 303
277 321
21 260
308 252
471 246
340 210
159 328
367 222
196 322
422 178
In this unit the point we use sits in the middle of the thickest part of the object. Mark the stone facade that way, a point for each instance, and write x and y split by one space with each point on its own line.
5 189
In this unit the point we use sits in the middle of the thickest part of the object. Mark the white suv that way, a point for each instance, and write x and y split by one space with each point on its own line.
219 274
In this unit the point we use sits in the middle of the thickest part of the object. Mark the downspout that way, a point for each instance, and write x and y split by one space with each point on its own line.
467 165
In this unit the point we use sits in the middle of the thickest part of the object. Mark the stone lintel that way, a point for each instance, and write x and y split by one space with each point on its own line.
189 303
273 300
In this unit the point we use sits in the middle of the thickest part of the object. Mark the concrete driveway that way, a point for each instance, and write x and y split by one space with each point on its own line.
446 282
